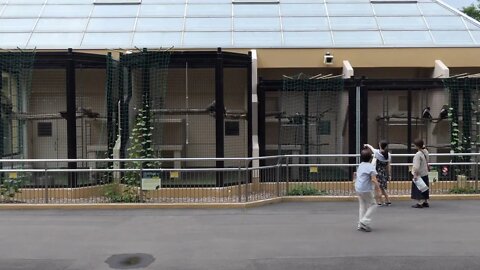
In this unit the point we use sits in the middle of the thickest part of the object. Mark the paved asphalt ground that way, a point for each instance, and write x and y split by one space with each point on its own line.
283 236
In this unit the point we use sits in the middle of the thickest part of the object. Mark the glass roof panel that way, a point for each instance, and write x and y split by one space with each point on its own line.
305 23
208 1
445 23
208 10
350 10
55 40
256 24
255 10
14 40
407 38
21 11
207 39
434 9
452 37
303 9
162 10
61 25
69 2
359 38
17 25
471 25
353 23
111 25
148 2
307 39
38 2
405 9
401 23
157 39
159 24
208 24
61 11
115 11
257 39
476 36
107 40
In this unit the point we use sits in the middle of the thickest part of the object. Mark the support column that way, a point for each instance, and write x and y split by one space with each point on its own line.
352 121
363 116
261 124
71 117
146 102
1 120
250 107
254 107
219 116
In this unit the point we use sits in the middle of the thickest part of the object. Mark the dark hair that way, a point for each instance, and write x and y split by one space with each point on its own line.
419 143
365 155
384 148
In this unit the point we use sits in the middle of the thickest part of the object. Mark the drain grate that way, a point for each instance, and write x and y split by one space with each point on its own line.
130 261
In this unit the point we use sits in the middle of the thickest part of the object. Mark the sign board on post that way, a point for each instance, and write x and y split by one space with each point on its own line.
151 181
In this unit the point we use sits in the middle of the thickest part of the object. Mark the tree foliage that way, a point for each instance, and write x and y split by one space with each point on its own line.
473 10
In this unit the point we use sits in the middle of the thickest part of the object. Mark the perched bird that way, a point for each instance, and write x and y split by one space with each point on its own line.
443 112
426 113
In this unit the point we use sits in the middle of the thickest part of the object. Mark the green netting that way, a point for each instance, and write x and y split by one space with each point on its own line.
464 116
16 73
310 113
136 87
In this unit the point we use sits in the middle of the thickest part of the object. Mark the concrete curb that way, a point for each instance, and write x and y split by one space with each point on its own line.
113 206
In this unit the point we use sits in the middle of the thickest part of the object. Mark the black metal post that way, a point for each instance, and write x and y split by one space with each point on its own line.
409 122
124 111
219 115
71 117
249 106
352 127
363 115
110 106
1 122
467 115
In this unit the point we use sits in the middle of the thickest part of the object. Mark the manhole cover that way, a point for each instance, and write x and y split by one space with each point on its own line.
130 261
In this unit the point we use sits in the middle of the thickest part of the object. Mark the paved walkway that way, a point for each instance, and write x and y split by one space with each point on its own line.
293 236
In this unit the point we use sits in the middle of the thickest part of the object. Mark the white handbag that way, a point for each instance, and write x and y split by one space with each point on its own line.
420 184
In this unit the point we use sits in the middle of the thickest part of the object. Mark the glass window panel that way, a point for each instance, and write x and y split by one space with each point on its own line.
357 38
257 39
157 39
61 25
307 39
17 25
55 40
38 2
350 10
14 40
434 9
110 24
107 40
396 9
159 24
445 23
401 23
257 24
476 36
413 38
60 11
209 10
208 24
353 23
255 10
303 9
452 37
115 11
162 10
207 39
22 11
305 23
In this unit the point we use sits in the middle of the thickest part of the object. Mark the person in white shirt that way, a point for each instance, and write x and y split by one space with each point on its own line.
365 185
384 169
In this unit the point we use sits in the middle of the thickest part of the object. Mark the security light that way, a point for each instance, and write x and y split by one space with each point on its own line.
328 58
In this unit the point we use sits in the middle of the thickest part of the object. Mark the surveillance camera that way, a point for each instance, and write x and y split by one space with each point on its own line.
328 59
